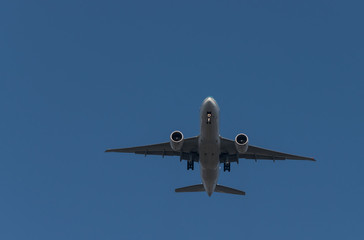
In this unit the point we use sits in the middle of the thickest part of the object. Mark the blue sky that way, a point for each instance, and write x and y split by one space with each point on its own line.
77 77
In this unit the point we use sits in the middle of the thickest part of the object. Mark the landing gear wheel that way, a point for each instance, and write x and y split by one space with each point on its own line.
190 165
227 166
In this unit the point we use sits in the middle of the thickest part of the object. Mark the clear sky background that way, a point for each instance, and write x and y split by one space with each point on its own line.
78 77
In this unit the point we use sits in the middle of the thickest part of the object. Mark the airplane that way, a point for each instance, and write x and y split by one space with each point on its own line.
210 150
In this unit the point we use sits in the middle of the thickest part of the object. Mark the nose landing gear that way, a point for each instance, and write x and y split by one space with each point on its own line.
227 166
209 116
190 165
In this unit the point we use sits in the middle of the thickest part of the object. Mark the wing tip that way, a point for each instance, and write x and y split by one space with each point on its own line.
305 158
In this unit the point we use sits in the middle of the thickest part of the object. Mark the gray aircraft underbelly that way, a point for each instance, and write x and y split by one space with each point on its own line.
209 145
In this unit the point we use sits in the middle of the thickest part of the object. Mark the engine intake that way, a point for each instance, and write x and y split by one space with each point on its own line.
176 140
241 143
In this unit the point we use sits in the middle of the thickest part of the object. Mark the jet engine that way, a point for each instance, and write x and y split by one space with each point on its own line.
176 140
241 142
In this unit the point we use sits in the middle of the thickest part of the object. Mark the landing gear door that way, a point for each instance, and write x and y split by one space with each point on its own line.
208 117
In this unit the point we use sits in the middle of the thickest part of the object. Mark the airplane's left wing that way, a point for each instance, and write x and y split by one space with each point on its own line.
257 152
189 150
228 152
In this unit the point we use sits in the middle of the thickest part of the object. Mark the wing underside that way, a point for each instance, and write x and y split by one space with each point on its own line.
189 150
229 153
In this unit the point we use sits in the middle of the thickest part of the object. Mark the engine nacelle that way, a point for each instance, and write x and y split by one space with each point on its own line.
176 140
241 143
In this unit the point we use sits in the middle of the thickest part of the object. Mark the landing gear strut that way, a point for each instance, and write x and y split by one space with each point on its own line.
190 165
227 166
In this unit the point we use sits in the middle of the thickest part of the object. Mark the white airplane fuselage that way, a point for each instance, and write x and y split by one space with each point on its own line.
209 144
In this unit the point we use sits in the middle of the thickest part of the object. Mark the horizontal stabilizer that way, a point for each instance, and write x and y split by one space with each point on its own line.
193 188
223 189
201 188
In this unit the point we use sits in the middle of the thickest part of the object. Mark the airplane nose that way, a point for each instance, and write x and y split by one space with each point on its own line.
209 105
209 99
209 102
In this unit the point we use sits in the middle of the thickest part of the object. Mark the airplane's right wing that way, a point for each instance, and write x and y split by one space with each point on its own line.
228 152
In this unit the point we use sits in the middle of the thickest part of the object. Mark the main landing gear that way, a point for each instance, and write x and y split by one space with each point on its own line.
227 166
190 165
